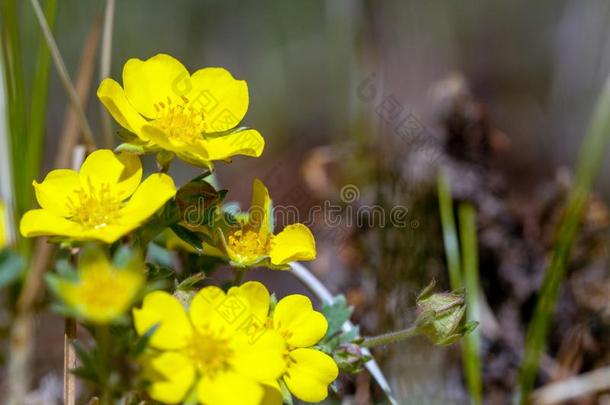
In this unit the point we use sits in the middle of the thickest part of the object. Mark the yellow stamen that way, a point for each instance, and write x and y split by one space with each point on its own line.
210 352
101 289
180 121
94 206
248 244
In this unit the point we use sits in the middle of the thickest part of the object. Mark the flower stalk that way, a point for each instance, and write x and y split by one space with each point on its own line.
69 362
390 337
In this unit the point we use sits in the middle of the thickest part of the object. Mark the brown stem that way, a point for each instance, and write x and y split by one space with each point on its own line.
86 68
69 362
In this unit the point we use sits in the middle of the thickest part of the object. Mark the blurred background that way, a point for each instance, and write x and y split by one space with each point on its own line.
380 95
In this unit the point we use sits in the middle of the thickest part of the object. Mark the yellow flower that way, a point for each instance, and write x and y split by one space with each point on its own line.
104 201
308 371
208 351
194 116
252 241
101 292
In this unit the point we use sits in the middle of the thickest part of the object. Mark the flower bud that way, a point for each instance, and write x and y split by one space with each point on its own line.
442 316
350 358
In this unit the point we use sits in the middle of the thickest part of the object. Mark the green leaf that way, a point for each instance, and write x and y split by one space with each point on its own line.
189 283
129 136
336 313
143 341
194 239
197 202
11 267
126 256
159 255
166 216
159 273
65 269
90 362
286 395
131 148
164 160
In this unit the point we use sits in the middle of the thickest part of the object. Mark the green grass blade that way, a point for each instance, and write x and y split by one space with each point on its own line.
38 106
15 92
471 348
590 159
450 239
105 61
463 274
14 186
64 77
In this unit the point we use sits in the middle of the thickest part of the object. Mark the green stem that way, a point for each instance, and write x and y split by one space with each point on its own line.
450 238
390 337
470 266
239 275
103 341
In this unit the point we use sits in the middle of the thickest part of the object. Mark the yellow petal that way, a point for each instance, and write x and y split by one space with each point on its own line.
194 153
248 142
258 296
213 310
152 193
55 190
112 95
198 158
152 81
294 243
260 209
121 172
43 222
259 354
309 374
162 139
229 388
223 99
295 318
178 375
108 234
174 330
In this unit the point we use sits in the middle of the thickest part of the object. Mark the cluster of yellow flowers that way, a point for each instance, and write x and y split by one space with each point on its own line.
224 341
221 347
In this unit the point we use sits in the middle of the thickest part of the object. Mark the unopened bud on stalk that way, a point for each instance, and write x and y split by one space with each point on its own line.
350 358
442 316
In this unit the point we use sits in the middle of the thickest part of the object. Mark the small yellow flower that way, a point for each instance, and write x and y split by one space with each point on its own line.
308 371
101 291
208 351
253 242
194 116
104 201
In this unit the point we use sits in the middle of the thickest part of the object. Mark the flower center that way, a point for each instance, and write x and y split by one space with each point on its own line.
248 244
211 353
286 333
180 121
95 206
102 290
